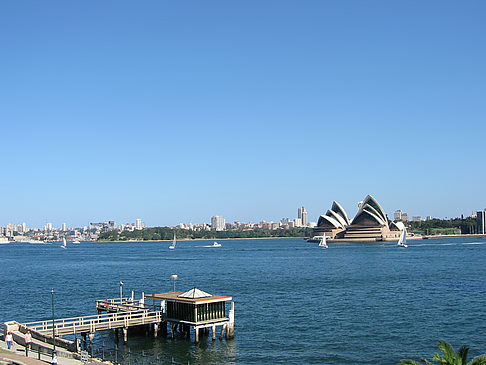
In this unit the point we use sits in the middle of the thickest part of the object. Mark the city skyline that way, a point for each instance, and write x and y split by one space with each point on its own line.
139 223
176 112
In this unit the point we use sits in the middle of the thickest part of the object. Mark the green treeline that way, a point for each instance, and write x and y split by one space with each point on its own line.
431 227
166 233
443 226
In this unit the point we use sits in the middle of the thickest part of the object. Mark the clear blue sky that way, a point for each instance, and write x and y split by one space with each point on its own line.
174 111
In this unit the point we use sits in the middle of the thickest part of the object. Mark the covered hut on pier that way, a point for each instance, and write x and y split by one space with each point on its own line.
197 309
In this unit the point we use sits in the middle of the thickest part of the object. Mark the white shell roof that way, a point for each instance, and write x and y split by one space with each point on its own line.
195 293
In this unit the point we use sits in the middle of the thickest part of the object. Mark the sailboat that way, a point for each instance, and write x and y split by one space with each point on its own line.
402 241
322 242
174 241
64 243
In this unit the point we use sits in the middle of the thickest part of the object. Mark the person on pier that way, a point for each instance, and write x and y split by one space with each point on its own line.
28 340
9 340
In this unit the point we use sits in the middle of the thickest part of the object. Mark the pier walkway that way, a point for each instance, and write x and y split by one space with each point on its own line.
17 356
91 324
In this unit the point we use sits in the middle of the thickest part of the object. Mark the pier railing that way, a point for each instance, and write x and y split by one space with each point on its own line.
122 305
91 324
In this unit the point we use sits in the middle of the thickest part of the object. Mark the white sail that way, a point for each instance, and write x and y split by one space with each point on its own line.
174 241
402 241
64 243
323 243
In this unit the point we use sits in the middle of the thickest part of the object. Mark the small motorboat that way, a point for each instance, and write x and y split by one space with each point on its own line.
216 244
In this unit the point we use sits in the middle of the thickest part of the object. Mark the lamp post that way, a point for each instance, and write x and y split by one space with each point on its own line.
54 357
174 277
121 292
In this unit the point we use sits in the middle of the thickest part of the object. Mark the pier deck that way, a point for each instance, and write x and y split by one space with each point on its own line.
91 324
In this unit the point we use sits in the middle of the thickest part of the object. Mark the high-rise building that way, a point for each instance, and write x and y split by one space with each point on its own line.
481 222
218 223
48 227
24 227
302 215
64 228
138 224
405 217
397 216
9 230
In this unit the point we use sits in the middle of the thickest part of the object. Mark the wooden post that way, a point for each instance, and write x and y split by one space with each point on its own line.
230 333
223 327
156 329
172 330
214 332
125 334
196 332
164 328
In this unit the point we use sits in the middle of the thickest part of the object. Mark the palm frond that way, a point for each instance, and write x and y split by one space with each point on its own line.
462 353
438 358
450 356
478 360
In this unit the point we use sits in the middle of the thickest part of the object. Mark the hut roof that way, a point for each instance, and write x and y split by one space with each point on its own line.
177 297
194 293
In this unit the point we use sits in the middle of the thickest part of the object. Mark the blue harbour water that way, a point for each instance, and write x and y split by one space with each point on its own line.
353 303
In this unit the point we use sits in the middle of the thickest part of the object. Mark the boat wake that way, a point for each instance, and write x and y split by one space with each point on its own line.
448 244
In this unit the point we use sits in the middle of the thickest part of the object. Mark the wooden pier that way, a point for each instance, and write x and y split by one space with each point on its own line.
180 311
92 324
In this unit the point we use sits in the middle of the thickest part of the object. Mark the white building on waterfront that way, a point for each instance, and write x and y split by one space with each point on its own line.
138 224
218 223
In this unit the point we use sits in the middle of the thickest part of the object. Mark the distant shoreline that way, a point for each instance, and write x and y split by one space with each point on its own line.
338 240
204 239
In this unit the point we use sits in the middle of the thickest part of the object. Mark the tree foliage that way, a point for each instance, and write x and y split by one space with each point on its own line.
443 226
167 233
449 357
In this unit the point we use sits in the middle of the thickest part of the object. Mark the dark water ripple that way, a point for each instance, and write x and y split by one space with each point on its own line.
295 303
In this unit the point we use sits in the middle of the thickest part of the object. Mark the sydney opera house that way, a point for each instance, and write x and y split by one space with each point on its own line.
369 224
